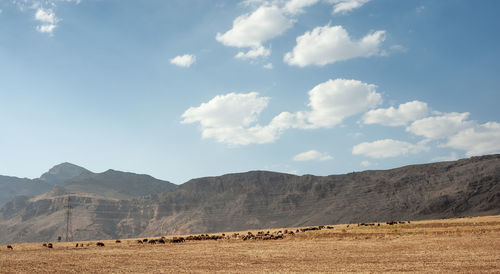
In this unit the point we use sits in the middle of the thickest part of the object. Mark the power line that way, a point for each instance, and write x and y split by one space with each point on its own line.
69 227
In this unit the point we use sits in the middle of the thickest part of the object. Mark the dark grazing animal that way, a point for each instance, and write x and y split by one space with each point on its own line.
100 244
178 240
49 245
118 241
10 247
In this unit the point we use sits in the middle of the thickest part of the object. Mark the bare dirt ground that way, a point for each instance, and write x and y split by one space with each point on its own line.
469 245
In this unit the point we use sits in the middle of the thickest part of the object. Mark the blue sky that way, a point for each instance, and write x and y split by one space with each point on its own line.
186 89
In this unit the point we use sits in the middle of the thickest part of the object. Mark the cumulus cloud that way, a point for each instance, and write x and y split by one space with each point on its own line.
312 155
230 110
48 20
269 20
251 30
44 12
399 116
440 126
297 6
387 148
254 53
185 60
477 140
329 44
331 102
232 118
345 6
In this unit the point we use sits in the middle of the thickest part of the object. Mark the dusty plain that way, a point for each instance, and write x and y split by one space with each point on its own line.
467 245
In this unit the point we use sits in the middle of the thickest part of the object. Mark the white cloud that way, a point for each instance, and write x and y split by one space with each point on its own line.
44 12
330 103
477 140
45 16
185 60
297 6
329 44
46 28
399 116
230 110
334 100
452 157
365 163
252 29
312 155
387 148
345 6
254 53
48 20
232 118
440 126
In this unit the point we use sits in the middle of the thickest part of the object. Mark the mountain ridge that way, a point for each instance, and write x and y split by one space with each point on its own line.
262 199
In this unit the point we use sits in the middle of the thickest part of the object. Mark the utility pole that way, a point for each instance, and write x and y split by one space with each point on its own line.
69 228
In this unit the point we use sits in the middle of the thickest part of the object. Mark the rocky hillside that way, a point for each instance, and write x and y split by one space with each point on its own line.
13 186
115 184
260 199
264 199
62 172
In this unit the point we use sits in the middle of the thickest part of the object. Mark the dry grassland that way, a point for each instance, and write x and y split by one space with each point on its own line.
469 245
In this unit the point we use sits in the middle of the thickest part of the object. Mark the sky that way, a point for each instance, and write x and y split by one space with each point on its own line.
183 89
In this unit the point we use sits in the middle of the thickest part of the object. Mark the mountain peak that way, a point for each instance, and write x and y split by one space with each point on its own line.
62 172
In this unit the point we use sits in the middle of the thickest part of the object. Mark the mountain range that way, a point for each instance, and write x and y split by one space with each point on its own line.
116 204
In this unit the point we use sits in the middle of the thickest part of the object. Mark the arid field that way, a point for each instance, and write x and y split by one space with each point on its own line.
454 245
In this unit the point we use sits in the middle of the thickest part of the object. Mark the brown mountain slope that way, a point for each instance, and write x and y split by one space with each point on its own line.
264 199
261 199
13 186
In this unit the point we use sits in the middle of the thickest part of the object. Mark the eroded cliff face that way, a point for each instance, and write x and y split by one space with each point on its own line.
264 199
261 199
44 219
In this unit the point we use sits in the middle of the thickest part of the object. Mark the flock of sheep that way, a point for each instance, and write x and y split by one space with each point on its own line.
261 235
